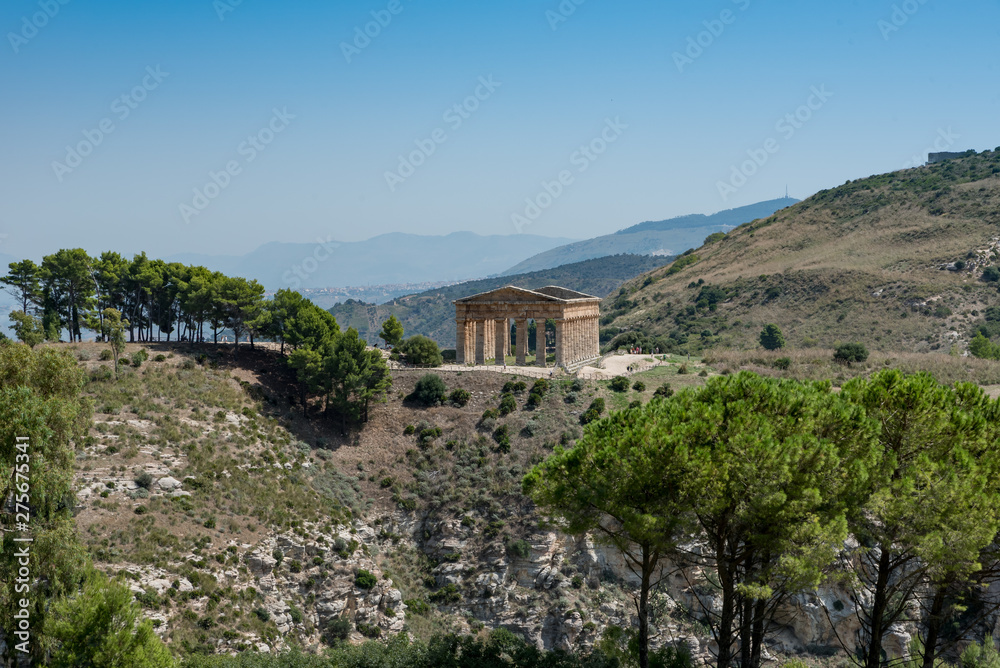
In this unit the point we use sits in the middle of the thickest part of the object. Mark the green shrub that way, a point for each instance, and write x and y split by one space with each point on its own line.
507 404
337 631
783 363
664 391
514 387
639 386
144 480
460 397
417 606
991 274
160 358
771 337
430 390
295 614
106 355
535 399
619 384
409 430
365 579
594 412
420 351
446 595
851 352
519 548
541 386
262 614
295 566
502 438
635 403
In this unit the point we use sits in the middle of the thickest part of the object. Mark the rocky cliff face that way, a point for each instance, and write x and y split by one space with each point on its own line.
562 594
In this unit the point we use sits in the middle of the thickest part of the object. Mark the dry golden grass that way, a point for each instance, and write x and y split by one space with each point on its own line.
818 364
857 263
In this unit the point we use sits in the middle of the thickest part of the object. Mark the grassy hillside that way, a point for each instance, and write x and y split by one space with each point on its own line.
894 261
662 237
239 523
432 314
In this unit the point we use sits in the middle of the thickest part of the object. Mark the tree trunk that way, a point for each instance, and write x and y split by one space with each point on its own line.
873 659
725 635
758 634
934 622
644 608
746 631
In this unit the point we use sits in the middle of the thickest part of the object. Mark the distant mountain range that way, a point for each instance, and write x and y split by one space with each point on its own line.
389 258
432 313
664 237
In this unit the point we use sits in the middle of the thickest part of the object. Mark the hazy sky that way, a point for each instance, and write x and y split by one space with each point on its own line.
309 115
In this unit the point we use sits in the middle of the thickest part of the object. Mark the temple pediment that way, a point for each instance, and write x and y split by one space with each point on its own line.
511 294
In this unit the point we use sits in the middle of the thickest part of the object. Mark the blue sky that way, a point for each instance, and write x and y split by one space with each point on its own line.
885 81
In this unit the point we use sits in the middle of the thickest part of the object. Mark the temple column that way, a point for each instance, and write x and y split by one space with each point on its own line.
480 342
460 331
506 336
595 336
470 341
560 345
572 355
540 342
498 342
488 340
522 341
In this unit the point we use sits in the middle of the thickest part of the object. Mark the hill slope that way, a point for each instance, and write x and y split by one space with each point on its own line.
385 259
867 261
431 313
664 237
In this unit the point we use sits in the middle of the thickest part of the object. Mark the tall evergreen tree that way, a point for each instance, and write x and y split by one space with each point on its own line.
70 284
932 504
23 282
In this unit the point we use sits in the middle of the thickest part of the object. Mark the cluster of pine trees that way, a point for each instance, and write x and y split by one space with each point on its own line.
769 487
71 291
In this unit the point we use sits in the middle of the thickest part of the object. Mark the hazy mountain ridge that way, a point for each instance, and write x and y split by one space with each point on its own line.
389 258
432 314
664 237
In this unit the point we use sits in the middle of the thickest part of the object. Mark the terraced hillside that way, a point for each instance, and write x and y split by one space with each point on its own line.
899 262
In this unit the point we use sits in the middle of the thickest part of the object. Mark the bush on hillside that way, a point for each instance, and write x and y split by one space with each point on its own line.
771 337
851 352
594 412
430 390
420 351
460 397
502 438
507 404
365 579
664 391
619 384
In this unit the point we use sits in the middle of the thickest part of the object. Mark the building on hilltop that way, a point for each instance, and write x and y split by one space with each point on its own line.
934 158
483 324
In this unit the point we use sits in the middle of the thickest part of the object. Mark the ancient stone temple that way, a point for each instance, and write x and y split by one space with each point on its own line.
484 325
